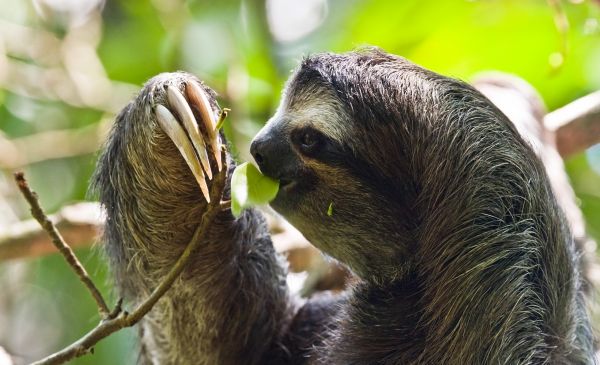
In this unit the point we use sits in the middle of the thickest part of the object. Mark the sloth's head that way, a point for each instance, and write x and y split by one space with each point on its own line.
354 141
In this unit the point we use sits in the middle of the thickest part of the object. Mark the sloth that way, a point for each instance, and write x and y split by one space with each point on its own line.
414 181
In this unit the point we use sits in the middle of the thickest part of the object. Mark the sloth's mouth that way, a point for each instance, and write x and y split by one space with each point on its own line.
295 183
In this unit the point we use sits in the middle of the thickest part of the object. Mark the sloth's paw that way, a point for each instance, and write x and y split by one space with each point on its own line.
191 124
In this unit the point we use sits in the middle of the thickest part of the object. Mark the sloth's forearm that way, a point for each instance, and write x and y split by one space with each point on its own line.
230 304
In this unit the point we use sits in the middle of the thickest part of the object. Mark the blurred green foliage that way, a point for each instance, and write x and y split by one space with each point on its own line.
246 53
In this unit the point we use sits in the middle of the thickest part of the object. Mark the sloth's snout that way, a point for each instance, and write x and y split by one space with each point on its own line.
260 150
256 149
271 153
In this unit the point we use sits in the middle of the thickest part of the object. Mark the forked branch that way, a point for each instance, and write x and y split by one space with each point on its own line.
117 319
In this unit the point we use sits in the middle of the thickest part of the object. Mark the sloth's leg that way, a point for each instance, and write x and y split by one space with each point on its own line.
231 304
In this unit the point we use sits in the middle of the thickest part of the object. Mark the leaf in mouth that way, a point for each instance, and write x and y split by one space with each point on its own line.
250 188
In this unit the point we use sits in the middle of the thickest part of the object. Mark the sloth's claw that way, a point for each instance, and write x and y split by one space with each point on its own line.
173 129
178 121
199 100
178 102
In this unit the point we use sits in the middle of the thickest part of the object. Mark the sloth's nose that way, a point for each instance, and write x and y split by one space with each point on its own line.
256 151
271 154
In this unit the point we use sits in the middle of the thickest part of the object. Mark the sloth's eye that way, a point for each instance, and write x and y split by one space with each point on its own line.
308 141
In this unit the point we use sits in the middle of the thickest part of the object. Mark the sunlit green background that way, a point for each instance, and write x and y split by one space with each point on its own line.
71 64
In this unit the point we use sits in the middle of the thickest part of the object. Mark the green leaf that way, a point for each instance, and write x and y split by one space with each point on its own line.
249 188
330 209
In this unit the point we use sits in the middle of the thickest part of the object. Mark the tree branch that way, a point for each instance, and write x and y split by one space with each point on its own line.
19 152
38 213
79 224
576 125
118 319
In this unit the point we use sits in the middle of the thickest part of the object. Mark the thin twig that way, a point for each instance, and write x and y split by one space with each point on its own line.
116 310
222 117
119 319
38 213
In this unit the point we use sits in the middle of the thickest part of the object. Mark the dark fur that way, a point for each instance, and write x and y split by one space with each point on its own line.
442 211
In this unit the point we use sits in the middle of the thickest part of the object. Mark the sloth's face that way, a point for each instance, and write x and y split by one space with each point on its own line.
327 190
299 147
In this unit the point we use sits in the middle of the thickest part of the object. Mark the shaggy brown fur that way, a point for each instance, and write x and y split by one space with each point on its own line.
232 299
440 208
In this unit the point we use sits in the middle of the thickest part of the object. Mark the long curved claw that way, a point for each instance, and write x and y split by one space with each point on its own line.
198 98
173 129
178 102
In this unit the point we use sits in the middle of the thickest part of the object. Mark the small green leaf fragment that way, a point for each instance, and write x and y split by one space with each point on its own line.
249 188
330 209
